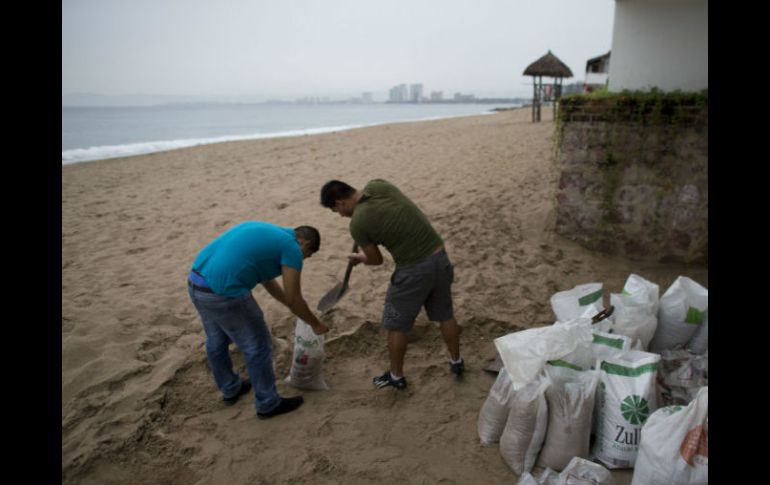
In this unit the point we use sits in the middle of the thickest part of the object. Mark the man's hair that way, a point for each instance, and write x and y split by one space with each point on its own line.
310 234
335 190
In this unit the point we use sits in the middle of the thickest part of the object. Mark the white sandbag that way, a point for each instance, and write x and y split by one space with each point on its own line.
548 477
570 401
681 374
699 343
307 360
674 445
606 345
642 291
682 310
526 426
526 478
581 301
494 411
524 353
582 357
580 471
633 319
625 397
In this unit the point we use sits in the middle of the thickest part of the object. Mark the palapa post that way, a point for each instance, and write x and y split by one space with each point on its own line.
551 66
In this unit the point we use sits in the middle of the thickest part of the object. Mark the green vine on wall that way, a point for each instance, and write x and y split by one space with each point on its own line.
648 107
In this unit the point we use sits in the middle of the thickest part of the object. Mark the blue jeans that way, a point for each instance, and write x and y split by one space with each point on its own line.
238 320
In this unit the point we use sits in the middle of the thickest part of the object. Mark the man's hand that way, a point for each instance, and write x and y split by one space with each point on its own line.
320 329
357 258
370 255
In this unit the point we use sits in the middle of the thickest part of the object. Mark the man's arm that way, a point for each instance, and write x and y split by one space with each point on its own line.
292 298
371 256
275 290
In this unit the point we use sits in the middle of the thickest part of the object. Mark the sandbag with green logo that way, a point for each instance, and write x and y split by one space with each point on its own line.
683 308
636 309
625 398
584 300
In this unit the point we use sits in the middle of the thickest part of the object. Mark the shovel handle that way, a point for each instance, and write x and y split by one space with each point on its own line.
350 266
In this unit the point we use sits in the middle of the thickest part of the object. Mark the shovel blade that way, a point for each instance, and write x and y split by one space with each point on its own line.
332 297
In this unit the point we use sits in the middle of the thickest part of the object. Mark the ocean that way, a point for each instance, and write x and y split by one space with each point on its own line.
96 133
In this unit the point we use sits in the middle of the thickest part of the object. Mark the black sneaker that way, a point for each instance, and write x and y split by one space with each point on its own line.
385 380
458 368
287 405
245 387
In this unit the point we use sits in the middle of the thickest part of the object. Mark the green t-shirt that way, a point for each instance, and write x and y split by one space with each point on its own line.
386 216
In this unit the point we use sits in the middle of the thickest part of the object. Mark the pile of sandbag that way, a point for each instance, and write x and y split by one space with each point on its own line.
584 390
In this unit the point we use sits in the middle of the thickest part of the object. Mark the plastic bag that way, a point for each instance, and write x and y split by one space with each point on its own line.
633 319
699 343
578 472
570 409
682 310
674 446
625 398
641 291
526 426
307 360
524 353
581 301
548 477
635 310
494 411
583 472
607 345
680 376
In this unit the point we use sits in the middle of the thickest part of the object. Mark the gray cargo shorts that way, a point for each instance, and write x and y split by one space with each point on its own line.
426 283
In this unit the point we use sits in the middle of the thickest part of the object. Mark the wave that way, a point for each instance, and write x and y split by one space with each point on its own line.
77 155
114 151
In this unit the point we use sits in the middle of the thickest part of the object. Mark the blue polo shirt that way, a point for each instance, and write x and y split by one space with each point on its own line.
246 255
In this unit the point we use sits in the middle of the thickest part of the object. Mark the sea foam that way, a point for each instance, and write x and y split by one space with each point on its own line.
114 151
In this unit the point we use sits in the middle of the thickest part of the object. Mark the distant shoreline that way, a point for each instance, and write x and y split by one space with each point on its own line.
519 101
108 150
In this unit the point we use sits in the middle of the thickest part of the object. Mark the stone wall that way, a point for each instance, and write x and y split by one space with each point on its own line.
634 178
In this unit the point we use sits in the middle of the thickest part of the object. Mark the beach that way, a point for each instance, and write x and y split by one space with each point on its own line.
139 404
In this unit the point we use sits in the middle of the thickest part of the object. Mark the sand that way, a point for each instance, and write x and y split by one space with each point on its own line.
138 402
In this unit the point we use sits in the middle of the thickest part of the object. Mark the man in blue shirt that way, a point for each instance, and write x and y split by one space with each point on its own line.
220 283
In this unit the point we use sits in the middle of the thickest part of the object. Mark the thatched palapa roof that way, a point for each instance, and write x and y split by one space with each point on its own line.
548 65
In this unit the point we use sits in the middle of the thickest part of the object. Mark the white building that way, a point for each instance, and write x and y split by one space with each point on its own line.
415 93
398 94
659 44
597 72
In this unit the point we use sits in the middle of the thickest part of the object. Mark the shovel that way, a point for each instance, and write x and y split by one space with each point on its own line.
335 294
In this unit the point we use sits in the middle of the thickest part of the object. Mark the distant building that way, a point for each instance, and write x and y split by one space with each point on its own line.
658 44
415 93
367 97
597 72
464 98
398 94
437 96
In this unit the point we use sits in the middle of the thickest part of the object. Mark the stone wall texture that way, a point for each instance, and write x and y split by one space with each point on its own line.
634 182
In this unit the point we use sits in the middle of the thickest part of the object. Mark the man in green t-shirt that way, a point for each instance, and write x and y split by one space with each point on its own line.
382 215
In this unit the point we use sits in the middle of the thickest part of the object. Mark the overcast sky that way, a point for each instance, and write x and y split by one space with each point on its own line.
337 48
